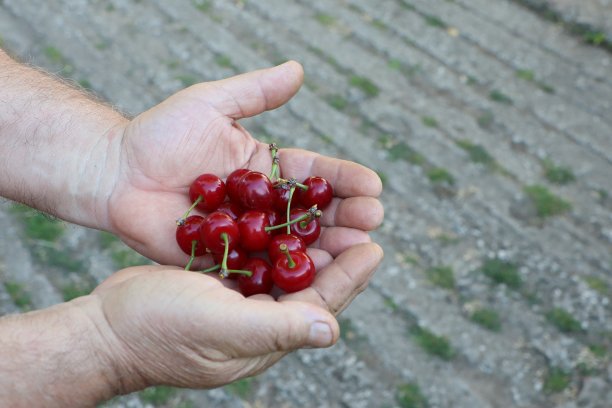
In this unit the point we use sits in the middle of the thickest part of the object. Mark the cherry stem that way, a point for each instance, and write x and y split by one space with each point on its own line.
289 223
211 269
289 209
275 159
181 220
285 250
194 243
293 182
225 251
240 271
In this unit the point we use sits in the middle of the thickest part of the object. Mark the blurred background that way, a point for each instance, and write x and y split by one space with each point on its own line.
490 123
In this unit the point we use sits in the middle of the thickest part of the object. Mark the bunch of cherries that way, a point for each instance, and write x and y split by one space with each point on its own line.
257 228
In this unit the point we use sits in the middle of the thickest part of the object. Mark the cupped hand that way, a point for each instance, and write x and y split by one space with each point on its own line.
163 325
195 131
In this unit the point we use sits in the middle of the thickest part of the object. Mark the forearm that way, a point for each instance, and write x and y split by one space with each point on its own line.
55 357
58 147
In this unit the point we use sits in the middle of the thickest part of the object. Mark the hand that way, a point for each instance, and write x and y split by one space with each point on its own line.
194 132
168 326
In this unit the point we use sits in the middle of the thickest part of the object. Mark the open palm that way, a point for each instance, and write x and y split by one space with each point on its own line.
196 131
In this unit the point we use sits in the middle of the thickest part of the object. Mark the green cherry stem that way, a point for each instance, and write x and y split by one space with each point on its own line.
275 159
181 220
293 182
303 218
225 251
211 269
291 191
285 250
194 243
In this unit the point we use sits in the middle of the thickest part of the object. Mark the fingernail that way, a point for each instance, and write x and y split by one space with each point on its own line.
320 335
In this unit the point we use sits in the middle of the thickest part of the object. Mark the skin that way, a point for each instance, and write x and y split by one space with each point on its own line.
155 325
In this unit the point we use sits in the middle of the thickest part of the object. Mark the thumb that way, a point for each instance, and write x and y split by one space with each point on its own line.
266 327
252 93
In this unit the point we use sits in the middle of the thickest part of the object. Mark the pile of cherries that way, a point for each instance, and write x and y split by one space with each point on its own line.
257 227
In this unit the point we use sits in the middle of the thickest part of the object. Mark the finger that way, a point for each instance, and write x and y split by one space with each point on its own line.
364 213
347 178
258 327
255 92
338 284
336 240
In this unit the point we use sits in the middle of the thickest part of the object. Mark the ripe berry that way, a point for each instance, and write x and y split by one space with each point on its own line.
255 191
232 209
209 189
232 184
294 271
309 229
293 243
214 226
189 231
319 193
261 279
253 235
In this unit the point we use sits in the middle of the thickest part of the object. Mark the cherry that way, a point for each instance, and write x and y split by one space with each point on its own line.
189 231
308 229
261 279
253 234
293 243
293 272
255 191
275 218
233 185
208 190
232 209
214 227
280 197
236 258
319 193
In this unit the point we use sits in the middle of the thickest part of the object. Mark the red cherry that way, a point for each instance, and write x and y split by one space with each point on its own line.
216 224
319 193
275 218
232 209
232 184
293 243
280 198
255 191
253 235
236 258
261 279
293 272
189 231
210 188
308 230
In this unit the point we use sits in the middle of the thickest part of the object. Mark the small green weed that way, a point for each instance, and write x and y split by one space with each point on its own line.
202 5
597 284
435 345
563 320
435 21
441 276
594 37
500 97
485 120
337 101
187 80
526 75
325 19
38 225
74 290
439 175
126 257
556 381
502 272
403 151
410 396
224 61
487 318
366 85
546 203
476 152
19 295
430 121
241 388
158 395
557 174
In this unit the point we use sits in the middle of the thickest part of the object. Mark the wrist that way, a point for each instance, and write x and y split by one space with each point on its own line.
60 356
